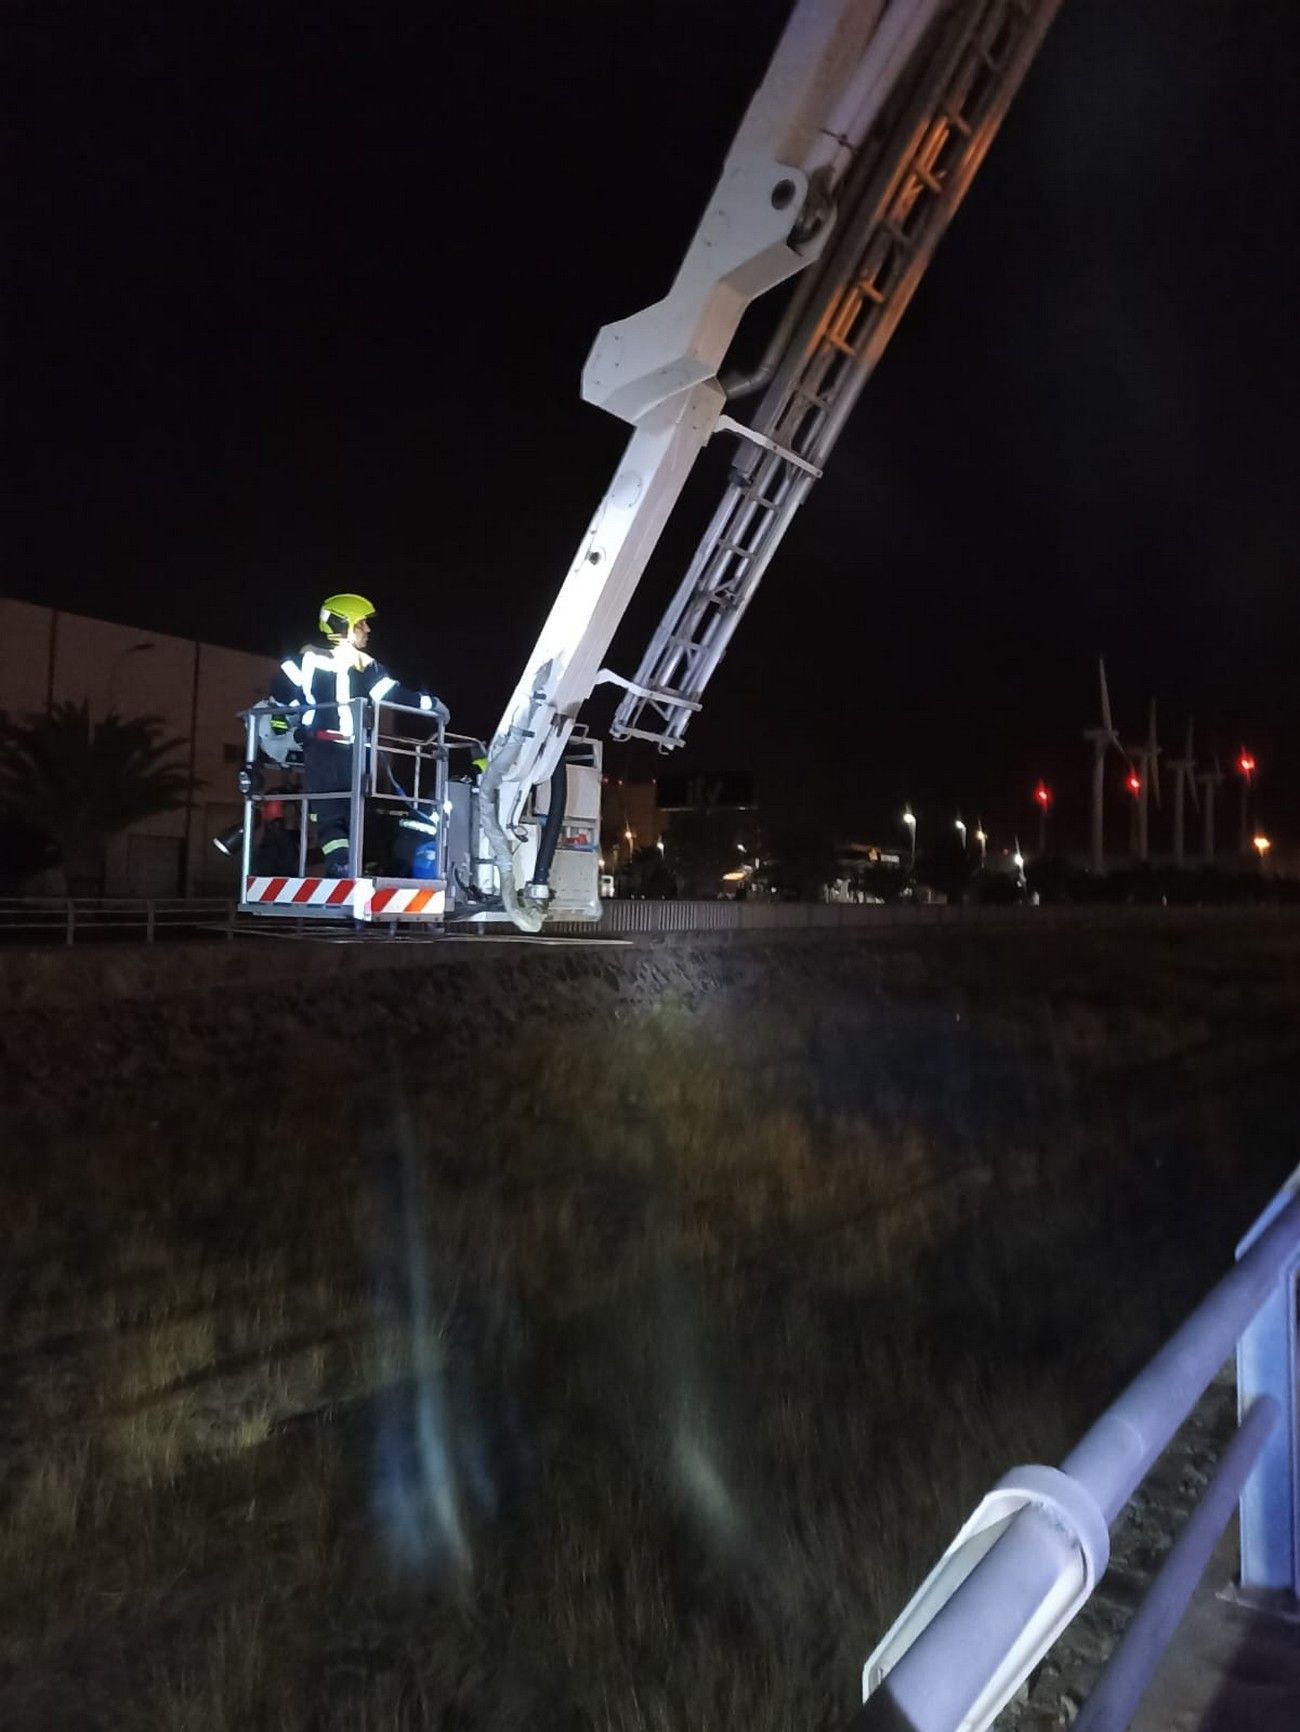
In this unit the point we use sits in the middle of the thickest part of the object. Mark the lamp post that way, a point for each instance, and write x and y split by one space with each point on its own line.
961 831
981 840
132 649
1043 800
909 818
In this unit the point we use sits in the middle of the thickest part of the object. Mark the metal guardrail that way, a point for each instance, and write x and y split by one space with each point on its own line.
75 919
625 917
138 919
1030 1556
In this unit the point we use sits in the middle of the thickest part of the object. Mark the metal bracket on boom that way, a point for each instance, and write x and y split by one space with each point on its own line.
607 677
727 425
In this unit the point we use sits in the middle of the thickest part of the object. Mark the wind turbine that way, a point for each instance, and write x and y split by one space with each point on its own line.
1211 781
1246 767
1184 770
1146 759
1103 738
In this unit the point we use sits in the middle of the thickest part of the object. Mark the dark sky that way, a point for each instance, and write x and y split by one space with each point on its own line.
300 297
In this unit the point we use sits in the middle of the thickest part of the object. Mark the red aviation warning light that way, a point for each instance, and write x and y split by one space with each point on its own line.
1043 795
1246 764
1133 782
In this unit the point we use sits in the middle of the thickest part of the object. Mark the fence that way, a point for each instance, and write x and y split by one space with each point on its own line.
1030 1556
128 919
626 917
144 919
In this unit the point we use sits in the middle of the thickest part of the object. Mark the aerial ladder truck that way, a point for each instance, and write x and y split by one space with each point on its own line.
851 160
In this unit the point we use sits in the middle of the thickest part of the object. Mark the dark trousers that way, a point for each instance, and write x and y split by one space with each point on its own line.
327 768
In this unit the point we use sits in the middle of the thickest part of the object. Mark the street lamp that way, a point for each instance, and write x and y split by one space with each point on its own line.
961 831
130 650
981 839
1262 846
909 818
1043 800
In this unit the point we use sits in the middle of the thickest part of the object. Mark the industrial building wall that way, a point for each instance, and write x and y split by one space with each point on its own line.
49 657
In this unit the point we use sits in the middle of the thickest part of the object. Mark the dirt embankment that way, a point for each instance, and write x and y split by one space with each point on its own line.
508 1335
86 1035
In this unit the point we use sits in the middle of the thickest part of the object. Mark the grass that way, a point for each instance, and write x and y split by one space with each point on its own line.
625 1377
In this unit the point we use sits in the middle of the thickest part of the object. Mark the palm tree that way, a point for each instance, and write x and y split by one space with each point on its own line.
79 782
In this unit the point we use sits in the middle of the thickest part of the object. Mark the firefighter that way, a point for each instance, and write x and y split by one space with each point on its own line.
317 687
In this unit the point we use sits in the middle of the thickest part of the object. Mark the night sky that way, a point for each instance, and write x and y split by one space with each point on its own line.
300 298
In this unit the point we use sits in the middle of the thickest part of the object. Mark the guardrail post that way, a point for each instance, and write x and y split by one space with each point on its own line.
1266 1366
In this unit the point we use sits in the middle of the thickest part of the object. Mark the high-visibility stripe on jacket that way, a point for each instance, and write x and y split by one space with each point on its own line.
318 684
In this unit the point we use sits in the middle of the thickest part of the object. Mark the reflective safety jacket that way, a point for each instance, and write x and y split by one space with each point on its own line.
318 684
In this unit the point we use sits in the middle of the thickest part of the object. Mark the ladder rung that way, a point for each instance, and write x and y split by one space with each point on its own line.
869 292
629 733
926 176
736 548
956 120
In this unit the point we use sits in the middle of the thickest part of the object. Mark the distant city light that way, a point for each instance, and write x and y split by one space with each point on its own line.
909 817
1262 845
961 826
1018 860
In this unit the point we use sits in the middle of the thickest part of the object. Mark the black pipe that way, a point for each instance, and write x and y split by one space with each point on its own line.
559 799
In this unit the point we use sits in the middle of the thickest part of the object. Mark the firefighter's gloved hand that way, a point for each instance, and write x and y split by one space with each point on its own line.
434 708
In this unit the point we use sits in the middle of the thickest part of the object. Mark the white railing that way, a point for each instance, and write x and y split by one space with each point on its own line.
138 919
1030 1556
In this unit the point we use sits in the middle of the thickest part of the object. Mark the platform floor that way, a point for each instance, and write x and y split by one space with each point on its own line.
1227 1669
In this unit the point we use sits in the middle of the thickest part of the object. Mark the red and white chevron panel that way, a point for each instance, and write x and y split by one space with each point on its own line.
388 901
301 892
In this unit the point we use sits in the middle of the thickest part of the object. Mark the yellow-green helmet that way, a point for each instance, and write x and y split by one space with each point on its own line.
339 613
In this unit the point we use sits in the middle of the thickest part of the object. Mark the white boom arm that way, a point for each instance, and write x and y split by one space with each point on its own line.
832 77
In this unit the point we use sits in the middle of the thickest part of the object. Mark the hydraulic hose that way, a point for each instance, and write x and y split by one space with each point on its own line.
526 916
551 829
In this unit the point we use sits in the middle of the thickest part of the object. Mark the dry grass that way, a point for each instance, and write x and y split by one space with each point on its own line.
632 1391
